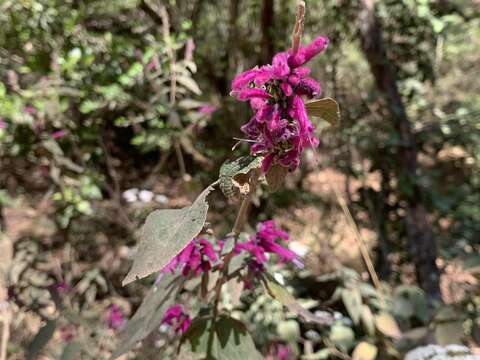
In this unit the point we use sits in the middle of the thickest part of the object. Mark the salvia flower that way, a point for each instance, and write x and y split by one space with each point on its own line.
68 332
29 109
195 258
279 352
177 318
59 134
207 109
264 242
62 287
115 318
280 128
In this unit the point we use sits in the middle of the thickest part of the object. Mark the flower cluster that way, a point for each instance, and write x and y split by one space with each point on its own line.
177 318
115 319
263 242
280 128
196 257
279 351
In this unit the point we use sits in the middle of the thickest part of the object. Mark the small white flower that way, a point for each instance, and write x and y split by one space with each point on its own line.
145 196
161 199
130 195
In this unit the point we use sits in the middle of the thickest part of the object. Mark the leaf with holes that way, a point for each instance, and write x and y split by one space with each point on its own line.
235 175
166 232
326 109
281 294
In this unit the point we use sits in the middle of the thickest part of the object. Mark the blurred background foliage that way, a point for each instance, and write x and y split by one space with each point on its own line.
111 108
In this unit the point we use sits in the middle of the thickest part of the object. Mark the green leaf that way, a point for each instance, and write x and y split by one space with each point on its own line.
89 105
281 294
364 351
326 108
234 175
225 339
449 326
41 339
275 176
189 84
352 299
323 354
288 330
70 350
449 333
410 301
166 232
342 336
368 320
387 325
148 316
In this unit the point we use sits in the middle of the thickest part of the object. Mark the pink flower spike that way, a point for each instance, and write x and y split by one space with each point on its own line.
62 287
115 319
309 87
279 352
207 109
305 54
243 79
280 67
59 134
252 93
195 258
280 129
263 242
177 319
189 48
30 110
3 124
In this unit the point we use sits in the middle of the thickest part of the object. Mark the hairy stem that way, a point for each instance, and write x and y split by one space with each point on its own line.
298 30
240 221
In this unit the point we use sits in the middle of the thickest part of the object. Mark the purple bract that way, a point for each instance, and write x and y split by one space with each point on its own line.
196 257
280 128
263 242
177 318
115 318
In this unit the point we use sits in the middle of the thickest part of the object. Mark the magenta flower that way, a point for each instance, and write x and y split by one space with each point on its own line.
154 63
62 287
189 48
68 332
30 110
279 352
195 258
263 242
3 124
280 128
59 134
115 319
207 109
177 318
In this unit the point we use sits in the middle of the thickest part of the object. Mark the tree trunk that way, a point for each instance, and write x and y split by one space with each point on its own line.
421 240
267 24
